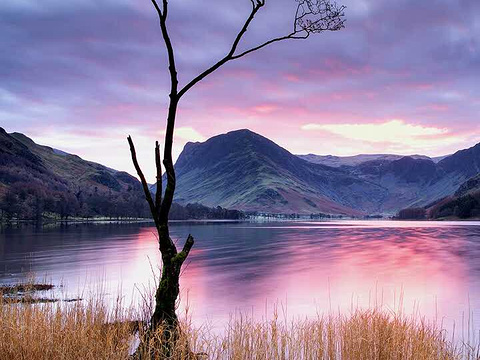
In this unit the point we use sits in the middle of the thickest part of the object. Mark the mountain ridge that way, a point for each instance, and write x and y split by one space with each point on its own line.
38 182
246 170
35 179
354 160
261 176
238 170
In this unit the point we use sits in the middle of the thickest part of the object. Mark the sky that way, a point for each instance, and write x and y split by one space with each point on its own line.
403 77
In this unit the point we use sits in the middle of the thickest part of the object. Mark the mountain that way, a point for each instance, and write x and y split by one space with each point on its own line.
409 182
244 170
413 181
239 170
470 186
35 179
71 168
38 181
464 203
464 163
338 161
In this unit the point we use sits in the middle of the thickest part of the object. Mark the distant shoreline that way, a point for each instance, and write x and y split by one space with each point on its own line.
52 222
47 222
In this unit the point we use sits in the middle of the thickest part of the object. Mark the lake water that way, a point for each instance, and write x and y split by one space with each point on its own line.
303 267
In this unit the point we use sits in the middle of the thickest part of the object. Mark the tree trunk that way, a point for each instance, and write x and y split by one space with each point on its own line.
168 288
155 345
166 297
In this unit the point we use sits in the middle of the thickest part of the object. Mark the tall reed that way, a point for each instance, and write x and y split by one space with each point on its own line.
90 329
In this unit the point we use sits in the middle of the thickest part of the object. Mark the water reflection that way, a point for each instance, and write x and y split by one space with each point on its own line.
309 267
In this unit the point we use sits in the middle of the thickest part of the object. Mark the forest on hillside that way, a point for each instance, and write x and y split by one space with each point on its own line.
30 201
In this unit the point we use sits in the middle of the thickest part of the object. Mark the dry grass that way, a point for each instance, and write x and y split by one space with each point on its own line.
364 335
62 331
89 330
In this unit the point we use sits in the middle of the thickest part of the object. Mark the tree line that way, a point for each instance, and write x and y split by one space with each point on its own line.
32 201
462 207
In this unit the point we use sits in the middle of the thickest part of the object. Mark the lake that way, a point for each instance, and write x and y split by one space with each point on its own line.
303 268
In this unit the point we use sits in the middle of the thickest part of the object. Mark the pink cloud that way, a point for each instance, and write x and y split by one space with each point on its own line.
292 77
265 108
437 107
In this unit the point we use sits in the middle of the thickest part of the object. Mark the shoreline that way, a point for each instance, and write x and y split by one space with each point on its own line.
53 223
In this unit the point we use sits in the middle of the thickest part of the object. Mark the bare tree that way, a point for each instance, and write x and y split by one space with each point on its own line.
311 17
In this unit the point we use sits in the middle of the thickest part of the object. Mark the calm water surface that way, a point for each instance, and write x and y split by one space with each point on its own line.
305 267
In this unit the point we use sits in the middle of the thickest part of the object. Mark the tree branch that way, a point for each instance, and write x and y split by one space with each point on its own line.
146 190
293 35
165 9
162 17
169 190
316 17
188 244
159 11
256 6
172 110
158 194
182 255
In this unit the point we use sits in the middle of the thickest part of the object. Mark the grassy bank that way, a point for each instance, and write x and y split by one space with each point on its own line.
89 330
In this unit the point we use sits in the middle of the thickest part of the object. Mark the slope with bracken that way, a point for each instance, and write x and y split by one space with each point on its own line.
36 178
